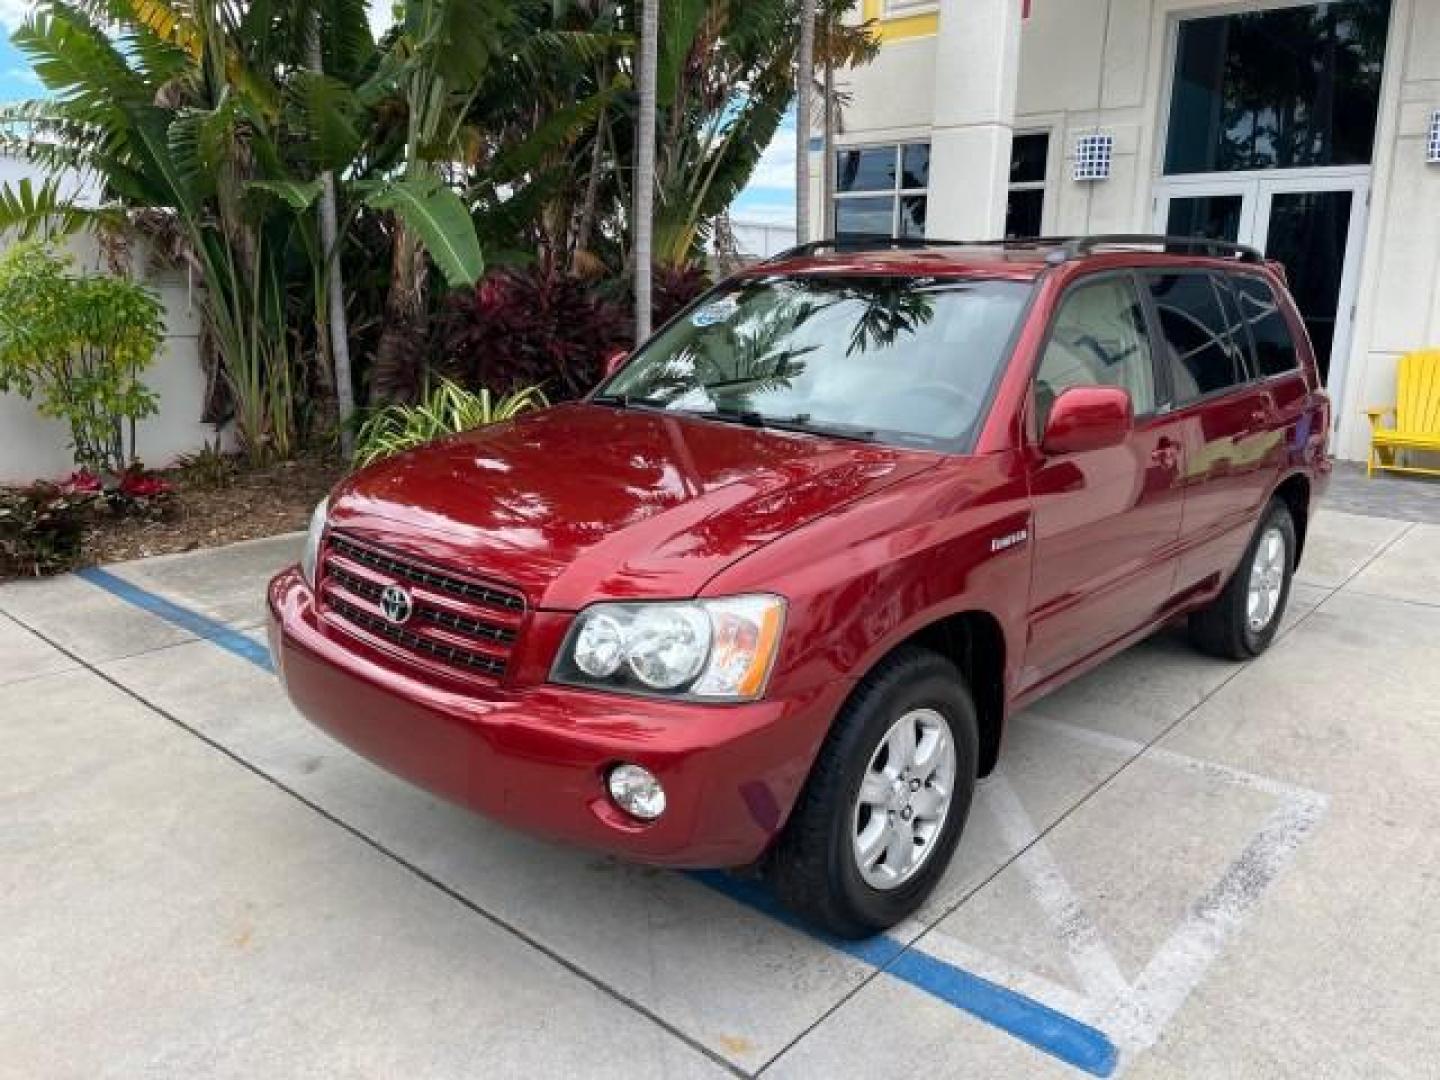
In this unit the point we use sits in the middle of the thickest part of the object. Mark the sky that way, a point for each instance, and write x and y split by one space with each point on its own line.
17 81
769 198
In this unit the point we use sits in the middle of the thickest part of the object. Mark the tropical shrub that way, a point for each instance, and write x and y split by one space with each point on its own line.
139 492
135 492
448 410
534 328
79 344
209 467
41 527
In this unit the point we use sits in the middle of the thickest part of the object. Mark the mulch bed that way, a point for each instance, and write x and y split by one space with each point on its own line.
256 502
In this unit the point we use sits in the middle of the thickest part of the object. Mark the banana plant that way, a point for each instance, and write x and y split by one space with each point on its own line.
432 67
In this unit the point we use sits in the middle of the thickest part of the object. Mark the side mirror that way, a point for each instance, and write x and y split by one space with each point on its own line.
615 361
1088 418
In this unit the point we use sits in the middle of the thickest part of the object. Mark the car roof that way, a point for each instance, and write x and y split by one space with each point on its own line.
1016 260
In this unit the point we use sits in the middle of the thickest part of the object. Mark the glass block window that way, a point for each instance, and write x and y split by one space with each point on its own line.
881 191
1025 200
1432 142
1092 157
1286 88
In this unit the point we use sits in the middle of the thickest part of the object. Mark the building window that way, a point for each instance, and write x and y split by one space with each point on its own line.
1025 204
880 191
1287 88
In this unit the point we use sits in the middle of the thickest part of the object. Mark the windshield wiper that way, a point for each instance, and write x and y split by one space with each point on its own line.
800 422
629 401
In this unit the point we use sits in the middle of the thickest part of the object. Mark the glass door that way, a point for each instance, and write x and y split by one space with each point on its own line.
1313 228
1310 223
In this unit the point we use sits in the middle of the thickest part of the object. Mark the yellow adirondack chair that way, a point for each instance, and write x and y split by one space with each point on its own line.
1417 415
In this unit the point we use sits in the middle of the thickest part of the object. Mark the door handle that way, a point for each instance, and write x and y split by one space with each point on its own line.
1166 454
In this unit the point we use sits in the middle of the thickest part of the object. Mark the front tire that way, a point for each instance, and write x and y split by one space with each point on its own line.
886 801
1243 620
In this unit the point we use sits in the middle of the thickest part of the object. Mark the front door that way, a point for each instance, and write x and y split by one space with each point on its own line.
1309 221
1106 523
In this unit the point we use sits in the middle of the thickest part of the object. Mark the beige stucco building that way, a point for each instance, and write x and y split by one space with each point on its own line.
1311 131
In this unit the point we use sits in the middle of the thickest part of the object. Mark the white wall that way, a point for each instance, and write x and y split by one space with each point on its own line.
1088 65
761 239
33 447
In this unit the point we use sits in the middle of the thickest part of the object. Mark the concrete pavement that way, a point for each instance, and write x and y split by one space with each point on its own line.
1218 869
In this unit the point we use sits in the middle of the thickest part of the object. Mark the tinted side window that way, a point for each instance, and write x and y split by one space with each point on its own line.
1098 339
1203 355
1275 351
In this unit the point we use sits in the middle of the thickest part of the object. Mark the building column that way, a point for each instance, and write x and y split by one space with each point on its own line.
977 68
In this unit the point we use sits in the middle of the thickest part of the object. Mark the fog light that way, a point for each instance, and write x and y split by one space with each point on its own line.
637 792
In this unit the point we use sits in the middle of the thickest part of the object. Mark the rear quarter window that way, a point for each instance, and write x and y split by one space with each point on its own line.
1204 356
1275 350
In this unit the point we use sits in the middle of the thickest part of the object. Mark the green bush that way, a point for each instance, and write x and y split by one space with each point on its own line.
79 342
41 527
447 410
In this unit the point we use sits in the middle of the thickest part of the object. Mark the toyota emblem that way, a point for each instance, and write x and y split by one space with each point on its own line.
395 602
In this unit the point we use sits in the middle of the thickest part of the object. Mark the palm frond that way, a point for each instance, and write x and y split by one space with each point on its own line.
28 210
77 62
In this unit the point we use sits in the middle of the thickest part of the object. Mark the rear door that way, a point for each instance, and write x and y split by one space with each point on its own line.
1105 522
1227 416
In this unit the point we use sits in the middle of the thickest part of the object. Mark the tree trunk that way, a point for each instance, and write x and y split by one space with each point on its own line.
591 200
645 167
395 375
804 90
339 353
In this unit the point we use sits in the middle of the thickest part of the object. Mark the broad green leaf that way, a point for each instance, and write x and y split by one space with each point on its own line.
299 195
443 224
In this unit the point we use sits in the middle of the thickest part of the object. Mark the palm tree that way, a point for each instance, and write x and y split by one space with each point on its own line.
804 86
645 165
343 385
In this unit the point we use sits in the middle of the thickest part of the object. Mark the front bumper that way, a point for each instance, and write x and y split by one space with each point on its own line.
536 758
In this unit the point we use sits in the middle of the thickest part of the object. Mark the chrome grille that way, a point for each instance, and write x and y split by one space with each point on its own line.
419 575
458 622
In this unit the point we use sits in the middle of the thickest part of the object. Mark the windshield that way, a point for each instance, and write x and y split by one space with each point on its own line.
895 359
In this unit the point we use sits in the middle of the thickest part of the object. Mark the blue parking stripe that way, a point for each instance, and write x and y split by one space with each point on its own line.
1052 1032
1062 1037
202 626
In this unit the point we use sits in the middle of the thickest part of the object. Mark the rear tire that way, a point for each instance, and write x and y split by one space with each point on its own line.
1243 620
865 793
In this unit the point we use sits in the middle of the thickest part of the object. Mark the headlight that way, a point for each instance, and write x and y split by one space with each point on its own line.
717 649
311 555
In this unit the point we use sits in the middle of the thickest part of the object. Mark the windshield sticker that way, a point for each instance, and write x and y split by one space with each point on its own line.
717 311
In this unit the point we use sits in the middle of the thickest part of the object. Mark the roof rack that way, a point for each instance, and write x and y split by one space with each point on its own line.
910 243
877 243
1077 246
1063 248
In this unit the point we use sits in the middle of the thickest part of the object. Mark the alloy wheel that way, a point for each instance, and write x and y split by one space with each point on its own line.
1267 580
904 799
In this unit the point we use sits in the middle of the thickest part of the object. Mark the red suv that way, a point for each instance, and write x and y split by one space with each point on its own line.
769 594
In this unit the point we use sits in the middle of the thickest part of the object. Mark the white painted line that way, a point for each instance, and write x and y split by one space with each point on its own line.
1092 961
1134 1015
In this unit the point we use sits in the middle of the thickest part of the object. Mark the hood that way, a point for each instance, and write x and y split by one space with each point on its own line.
584 502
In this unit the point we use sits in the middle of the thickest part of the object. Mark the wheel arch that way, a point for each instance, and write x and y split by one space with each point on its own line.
1294 491
974 641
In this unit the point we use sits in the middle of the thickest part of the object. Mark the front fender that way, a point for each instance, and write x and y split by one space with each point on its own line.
864 580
